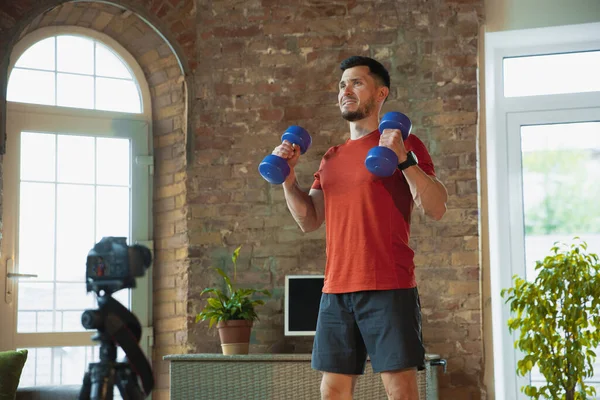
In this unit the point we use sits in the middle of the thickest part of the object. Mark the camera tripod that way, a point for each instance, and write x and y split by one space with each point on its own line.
116 326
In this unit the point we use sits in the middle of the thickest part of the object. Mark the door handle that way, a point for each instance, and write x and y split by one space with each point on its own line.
11 276
8 283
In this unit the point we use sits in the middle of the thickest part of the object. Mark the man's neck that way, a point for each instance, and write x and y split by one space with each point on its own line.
363 127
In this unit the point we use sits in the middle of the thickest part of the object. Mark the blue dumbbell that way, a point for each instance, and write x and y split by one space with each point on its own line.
274 168
381 160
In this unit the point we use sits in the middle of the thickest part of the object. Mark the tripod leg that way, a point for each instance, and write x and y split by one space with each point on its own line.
84 394
127 383
103 380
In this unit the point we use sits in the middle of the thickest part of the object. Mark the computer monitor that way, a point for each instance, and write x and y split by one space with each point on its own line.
302 299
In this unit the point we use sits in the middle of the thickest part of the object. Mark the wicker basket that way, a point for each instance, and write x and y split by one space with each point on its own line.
272 377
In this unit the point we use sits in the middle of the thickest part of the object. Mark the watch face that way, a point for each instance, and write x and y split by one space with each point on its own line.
414 156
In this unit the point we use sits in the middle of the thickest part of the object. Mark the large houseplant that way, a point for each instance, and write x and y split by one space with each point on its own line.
558 317
233 311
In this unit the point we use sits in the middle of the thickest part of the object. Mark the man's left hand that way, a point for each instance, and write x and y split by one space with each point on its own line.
392 138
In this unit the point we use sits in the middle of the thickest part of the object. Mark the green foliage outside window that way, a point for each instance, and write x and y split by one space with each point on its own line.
568 184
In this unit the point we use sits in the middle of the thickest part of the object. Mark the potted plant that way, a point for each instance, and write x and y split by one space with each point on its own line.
558 316
232 311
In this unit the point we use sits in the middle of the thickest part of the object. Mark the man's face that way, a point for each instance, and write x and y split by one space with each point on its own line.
357 94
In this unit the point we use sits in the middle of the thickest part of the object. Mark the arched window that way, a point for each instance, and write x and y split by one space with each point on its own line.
77 168
74 71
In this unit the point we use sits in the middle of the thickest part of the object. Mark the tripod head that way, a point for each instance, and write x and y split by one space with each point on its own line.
116 326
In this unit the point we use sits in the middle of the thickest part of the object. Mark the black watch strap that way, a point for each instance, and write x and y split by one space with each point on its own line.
411 160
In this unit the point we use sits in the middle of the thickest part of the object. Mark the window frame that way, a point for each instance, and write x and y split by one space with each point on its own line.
502 115
58 119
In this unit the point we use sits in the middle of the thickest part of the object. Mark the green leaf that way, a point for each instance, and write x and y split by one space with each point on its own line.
215 303
226 279
236 254
591 353
208 290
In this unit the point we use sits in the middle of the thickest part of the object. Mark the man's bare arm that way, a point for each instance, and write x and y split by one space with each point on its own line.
427 191
429 194
308 209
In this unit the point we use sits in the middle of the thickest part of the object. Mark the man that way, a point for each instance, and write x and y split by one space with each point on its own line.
370 303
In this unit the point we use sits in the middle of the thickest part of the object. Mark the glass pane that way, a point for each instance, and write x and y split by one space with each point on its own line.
39 56
74 231
44 321
113 161
38 156
109 64
75 54
34 296
73 297
27 321
123 296
112 218
36 229
75 91
560 192
28 86
71 320
117 95
61 366
57 365
552 74
75 159
48 307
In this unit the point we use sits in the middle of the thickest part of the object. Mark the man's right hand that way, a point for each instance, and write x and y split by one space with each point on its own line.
291 153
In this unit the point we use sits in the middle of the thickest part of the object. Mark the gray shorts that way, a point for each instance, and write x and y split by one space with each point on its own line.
385 324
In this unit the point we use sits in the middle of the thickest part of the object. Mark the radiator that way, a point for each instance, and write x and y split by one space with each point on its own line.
273 377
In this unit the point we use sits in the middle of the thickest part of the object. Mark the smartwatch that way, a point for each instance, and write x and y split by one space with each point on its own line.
411 160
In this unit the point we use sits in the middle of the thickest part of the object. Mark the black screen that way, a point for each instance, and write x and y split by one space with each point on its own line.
304 296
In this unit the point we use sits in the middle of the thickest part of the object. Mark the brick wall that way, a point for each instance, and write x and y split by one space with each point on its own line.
271 64
258 67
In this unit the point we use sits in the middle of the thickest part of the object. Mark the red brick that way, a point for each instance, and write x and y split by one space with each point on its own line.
237 32
271 114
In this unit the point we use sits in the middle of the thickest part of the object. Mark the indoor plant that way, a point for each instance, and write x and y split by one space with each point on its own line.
233 312
558 316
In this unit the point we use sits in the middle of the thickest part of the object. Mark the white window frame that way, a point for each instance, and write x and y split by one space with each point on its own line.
64 120
503 117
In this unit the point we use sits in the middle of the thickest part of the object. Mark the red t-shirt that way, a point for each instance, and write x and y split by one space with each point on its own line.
367 218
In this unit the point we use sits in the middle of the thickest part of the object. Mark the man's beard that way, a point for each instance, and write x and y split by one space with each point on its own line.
359 114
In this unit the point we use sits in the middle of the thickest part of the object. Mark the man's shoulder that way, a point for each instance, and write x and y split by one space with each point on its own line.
414 140
415 144
332 150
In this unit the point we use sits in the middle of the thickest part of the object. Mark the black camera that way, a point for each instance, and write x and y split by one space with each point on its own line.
112 265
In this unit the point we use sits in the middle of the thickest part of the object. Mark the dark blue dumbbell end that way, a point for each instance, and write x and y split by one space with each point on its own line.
396 120
297 135
274 169
381 161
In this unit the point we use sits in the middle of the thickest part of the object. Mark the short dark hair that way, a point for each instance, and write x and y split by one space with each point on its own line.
377 69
